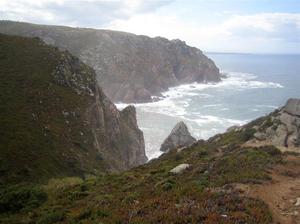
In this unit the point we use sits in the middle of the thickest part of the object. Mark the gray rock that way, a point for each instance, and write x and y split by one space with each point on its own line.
260 136
279 138
180 168
293 107
136 145
116 133
282 127
179 136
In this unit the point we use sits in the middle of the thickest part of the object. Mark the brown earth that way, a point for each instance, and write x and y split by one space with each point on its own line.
281 192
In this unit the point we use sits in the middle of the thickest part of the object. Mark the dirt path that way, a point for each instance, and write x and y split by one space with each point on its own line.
281 193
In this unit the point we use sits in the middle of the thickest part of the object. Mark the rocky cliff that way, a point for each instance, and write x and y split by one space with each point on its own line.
130 68
179 136
55 120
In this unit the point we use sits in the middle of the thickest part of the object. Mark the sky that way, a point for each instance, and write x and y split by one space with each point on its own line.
242 26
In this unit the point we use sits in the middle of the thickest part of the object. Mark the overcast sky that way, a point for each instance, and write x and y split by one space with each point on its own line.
254 26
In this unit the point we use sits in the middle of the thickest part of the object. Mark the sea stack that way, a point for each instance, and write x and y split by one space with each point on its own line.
179 136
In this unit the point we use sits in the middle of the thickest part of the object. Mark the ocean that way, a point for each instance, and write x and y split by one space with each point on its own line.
255 86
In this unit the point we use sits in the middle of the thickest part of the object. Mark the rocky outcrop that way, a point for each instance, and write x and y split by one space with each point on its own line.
179 136
63 124
130 68
117 136
116 133
293 107
282 127
133 136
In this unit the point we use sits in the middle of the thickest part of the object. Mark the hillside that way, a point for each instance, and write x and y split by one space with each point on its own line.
230 178
55 121
130 68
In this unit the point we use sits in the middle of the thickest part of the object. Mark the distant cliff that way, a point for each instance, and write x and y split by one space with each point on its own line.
130 68
54 118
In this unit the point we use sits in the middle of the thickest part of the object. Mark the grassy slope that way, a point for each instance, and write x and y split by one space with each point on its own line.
37 140
150 194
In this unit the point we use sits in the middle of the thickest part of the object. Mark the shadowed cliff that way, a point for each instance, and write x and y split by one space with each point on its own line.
55 120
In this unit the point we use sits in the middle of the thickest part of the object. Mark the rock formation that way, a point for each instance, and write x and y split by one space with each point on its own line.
179 136
130 68
282 127
116 133
55 119
293 107
180 168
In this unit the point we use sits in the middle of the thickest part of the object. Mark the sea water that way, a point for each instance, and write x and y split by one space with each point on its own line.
255 85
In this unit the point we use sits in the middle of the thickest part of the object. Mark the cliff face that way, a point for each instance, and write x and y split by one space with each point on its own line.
116 133
130 68
55 120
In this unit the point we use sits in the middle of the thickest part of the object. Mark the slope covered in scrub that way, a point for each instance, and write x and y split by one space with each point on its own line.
210 190
55 120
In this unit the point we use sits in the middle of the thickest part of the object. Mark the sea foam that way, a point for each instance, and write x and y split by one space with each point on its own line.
193 103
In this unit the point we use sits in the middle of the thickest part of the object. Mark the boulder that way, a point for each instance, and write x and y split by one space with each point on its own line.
180 168
179 136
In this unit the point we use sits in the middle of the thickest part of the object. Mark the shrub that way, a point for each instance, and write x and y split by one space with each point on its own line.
102 214
62 184
271 150
84 214
53 217
203 182
248 134
15 198
168 185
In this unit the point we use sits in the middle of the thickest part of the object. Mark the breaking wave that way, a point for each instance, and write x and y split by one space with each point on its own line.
193 103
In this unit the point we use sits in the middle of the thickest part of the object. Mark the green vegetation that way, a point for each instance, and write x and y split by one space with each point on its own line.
43 130
52 217
15 198
250 163
151 194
